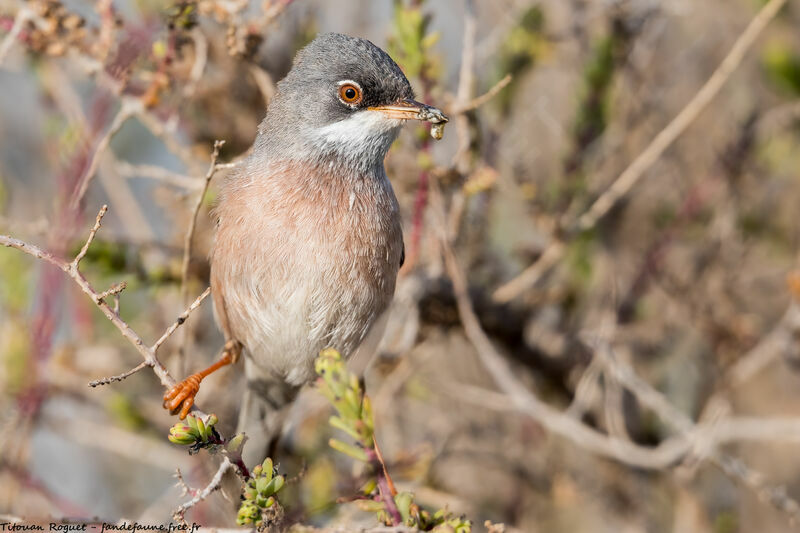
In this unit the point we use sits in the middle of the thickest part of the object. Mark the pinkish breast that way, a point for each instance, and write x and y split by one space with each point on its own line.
303 259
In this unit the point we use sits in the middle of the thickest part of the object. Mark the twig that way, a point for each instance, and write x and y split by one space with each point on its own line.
114 290
213 485
264 82
526 402
185 489
177 179
776 496
696 105
466 80
23 16
768 348
119 377
482 99
163 131
636 170
71 269
181 319
129 108
200 61
82 253
187 242
709 436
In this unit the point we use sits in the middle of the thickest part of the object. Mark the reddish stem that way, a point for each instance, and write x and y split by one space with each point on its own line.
385 486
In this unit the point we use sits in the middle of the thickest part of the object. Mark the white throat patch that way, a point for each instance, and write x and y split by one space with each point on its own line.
366 132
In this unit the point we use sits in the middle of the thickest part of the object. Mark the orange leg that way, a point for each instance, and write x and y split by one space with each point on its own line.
182 395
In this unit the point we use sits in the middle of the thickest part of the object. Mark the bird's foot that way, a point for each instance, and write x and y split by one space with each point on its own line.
182 395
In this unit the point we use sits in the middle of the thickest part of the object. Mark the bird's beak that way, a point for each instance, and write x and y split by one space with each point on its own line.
412 110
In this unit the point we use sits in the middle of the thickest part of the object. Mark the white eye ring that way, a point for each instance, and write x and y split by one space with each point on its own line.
346 85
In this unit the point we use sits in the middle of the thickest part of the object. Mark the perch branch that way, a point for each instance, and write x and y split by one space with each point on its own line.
71 269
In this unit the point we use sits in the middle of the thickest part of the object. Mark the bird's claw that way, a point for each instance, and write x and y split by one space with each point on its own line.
182 395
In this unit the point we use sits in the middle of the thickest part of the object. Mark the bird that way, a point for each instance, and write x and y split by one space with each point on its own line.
308 239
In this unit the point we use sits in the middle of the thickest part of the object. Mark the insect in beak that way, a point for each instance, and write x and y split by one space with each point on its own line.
413 110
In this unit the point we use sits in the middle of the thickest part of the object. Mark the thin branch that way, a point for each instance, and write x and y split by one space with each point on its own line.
114 290
187 243
264 82
154 172
82 253
200 61
667 453
466 81
477 102
680 123
185 489
71 269
23 16
181 319
213 485
637 169
164 132
128 109
119 377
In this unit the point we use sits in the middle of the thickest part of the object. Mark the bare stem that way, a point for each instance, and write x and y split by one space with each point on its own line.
189 238
82 253
637 169
181 319
119 377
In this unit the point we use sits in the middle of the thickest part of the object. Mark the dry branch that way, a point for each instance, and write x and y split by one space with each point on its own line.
128 109
201 495
72 270
23 16
637 169
187 243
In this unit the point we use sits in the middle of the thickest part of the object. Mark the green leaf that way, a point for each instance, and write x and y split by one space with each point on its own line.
348 449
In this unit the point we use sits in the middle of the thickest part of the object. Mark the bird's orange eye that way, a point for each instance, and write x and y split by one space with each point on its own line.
350 93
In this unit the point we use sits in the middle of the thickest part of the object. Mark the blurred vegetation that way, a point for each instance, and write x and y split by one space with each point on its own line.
682 281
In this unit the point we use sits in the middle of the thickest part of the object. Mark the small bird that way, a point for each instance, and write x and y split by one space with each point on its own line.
308 240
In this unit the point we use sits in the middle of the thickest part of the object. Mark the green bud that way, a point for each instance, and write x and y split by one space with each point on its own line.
267 468
275 485
181 433
235 443
201 429
192 421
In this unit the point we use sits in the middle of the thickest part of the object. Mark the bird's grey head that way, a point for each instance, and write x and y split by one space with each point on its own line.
342 103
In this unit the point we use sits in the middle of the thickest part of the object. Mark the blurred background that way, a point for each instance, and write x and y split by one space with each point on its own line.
653 350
